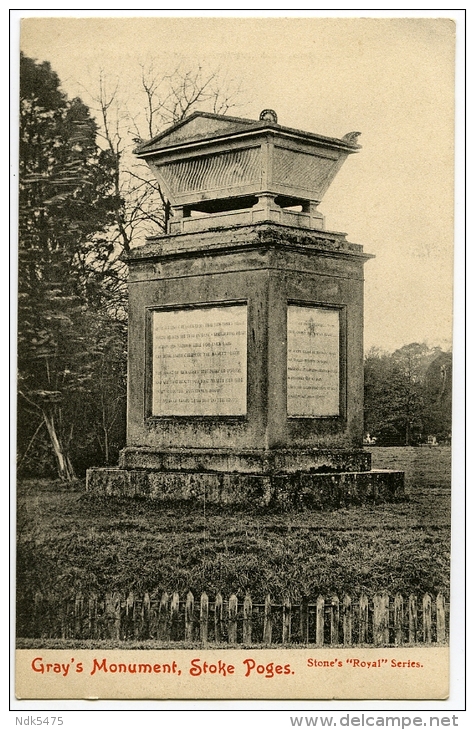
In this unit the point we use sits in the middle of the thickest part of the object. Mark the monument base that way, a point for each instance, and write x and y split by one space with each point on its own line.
251 461
285 478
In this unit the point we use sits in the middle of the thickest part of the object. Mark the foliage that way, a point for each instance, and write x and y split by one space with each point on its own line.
70 277
408 394
438 396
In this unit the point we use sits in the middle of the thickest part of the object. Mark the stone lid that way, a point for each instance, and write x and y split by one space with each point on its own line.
205 126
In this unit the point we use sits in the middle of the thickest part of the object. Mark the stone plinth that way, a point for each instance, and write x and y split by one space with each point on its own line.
277 461
300 489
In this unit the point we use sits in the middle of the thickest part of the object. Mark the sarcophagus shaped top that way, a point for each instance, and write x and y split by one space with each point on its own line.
219 171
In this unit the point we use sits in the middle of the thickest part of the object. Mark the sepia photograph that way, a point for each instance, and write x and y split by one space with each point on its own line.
235 352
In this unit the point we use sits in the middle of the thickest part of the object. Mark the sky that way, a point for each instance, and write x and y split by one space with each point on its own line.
392 79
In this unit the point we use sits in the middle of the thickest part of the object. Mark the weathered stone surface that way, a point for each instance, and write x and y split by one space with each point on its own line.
250 462
275 268
300 489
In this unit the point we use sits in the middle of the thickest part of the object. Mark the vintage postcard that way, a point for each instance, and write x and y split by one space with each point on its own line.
235 358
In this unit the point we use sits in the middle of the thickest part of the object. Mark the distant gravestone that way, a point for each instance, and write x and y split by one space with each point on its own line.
246 326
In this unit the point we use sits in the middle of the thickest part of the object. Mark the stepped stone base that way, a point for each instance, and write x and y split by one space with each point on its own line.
306 489
256 461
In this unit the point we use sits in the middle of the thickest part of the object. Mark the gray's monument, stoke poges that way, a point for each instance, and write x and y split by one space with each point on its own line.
245 360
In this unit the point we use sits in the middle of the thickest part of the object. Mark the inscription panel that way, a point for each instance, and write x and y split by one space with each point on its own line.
199 365
313 362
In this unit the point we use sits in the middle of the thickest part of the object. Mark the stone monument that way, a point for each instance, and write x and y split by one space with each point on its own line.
245 361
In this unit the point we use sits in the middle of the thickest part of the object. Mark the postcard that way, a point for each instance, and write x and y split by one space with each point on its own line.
236 281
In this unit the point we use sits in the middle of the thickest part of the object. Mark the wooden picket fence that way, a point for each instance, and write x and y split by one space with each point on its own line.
326 621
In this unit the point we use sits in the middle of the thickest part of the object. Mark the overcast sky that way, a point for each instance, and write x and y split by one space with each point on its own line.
390 79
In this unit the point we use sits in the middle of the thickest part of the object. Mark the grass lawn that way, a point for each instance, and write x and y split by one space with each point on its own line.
69 541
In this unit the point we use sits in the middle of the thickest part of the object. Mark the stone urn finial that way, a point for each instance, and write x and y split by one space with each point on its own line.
268 115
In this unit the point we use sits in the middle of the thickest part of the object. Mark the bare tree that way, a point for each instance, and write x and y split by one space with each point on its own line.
173 97
143 208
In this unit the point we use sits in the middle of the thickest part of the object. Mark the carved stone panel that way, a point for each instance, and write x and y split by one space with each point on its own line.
313 362
199 362
213 172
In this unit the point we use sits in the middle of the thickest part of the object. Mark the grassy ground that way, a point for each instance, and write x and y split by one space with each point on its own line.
69 541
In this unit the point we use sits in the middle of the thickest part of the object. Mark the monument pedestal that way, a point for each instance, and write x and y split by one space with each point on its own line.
246 371
282 479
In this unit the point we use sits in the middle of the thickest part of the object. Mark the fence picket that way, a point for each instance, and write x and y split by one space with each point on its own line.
153 618
101 618
363 619
427 619
189 616
136 618
112 615
232 619
381 619
175 616
163 623
440 618
412 619
145 616
347 621
398 619
117 616
247 620
320 621
267 637
92 617
286 620
129 623
218 618
64 614
303 632
204 608
108 616
334 620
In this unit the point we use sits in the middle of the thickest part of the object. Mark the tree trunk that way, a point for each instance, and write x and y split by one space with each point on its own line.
104 422
64 466
106 444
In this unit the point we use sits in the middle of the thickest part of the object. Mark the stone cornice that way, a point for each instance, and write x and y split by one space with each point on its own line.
236 238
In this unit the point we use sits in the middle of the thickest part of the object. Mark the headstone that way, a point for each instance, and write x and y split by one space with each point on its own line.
246 326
